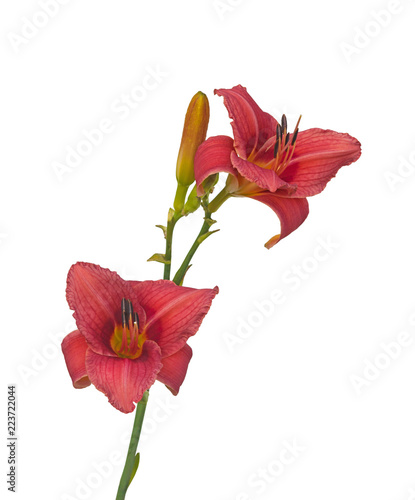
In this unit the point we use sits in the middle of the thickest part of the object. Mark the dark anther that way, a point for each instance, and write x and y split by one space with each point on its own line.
127 311
277 142
123 311
284 123
287 138
278 133
294 137
136 320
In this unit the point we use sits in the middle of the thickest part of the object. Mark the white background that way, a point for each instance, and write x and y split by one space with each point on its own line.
291 378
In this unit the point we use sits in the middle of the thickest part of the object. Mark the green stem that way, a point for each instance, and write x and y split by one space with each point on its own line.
174 215
172 219
178 278
132 449
220 199
180 197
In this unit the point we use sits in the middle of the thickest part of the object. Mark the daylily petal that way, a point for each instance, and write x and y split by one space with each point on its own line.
265 178
292 212
124 380
264 155
213 156
74 349
174 369
174 313
318 155
251 126
95 294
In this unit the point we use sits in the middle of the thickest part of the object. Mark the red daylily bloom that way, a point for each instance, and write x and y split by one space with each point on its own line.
130 333
268 164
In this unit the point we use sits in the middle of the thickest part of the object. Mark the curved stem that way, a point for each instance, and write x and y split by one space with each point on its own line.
173 217
132 449
180 197
171 222
203 234
220 199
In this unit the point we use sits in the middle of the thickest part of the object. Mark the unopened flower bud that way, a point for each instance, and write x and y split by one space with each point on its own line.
194 133
192 203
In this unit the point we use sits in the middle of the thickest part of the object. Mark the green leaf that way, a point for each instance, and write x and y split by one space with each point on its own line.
159 257
135 467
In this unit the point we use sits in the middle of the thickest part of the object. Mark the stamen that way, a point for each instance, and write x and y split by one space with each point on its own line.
130 317
124 313
296 131
133 347
124 305
277 139
127 341
294 137
284 124
276 148
284 145
279 133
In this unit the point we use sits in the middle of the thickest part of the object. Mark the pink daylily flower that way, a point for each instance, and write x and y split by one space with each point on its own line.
130 333
267 163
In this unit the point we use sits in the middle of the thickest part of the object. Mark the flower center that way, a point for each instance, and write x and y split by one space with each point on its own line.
126 341
284 146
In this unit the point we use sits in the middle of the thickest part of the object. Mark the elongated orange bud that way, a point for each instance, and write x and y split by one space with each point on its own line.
194 133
